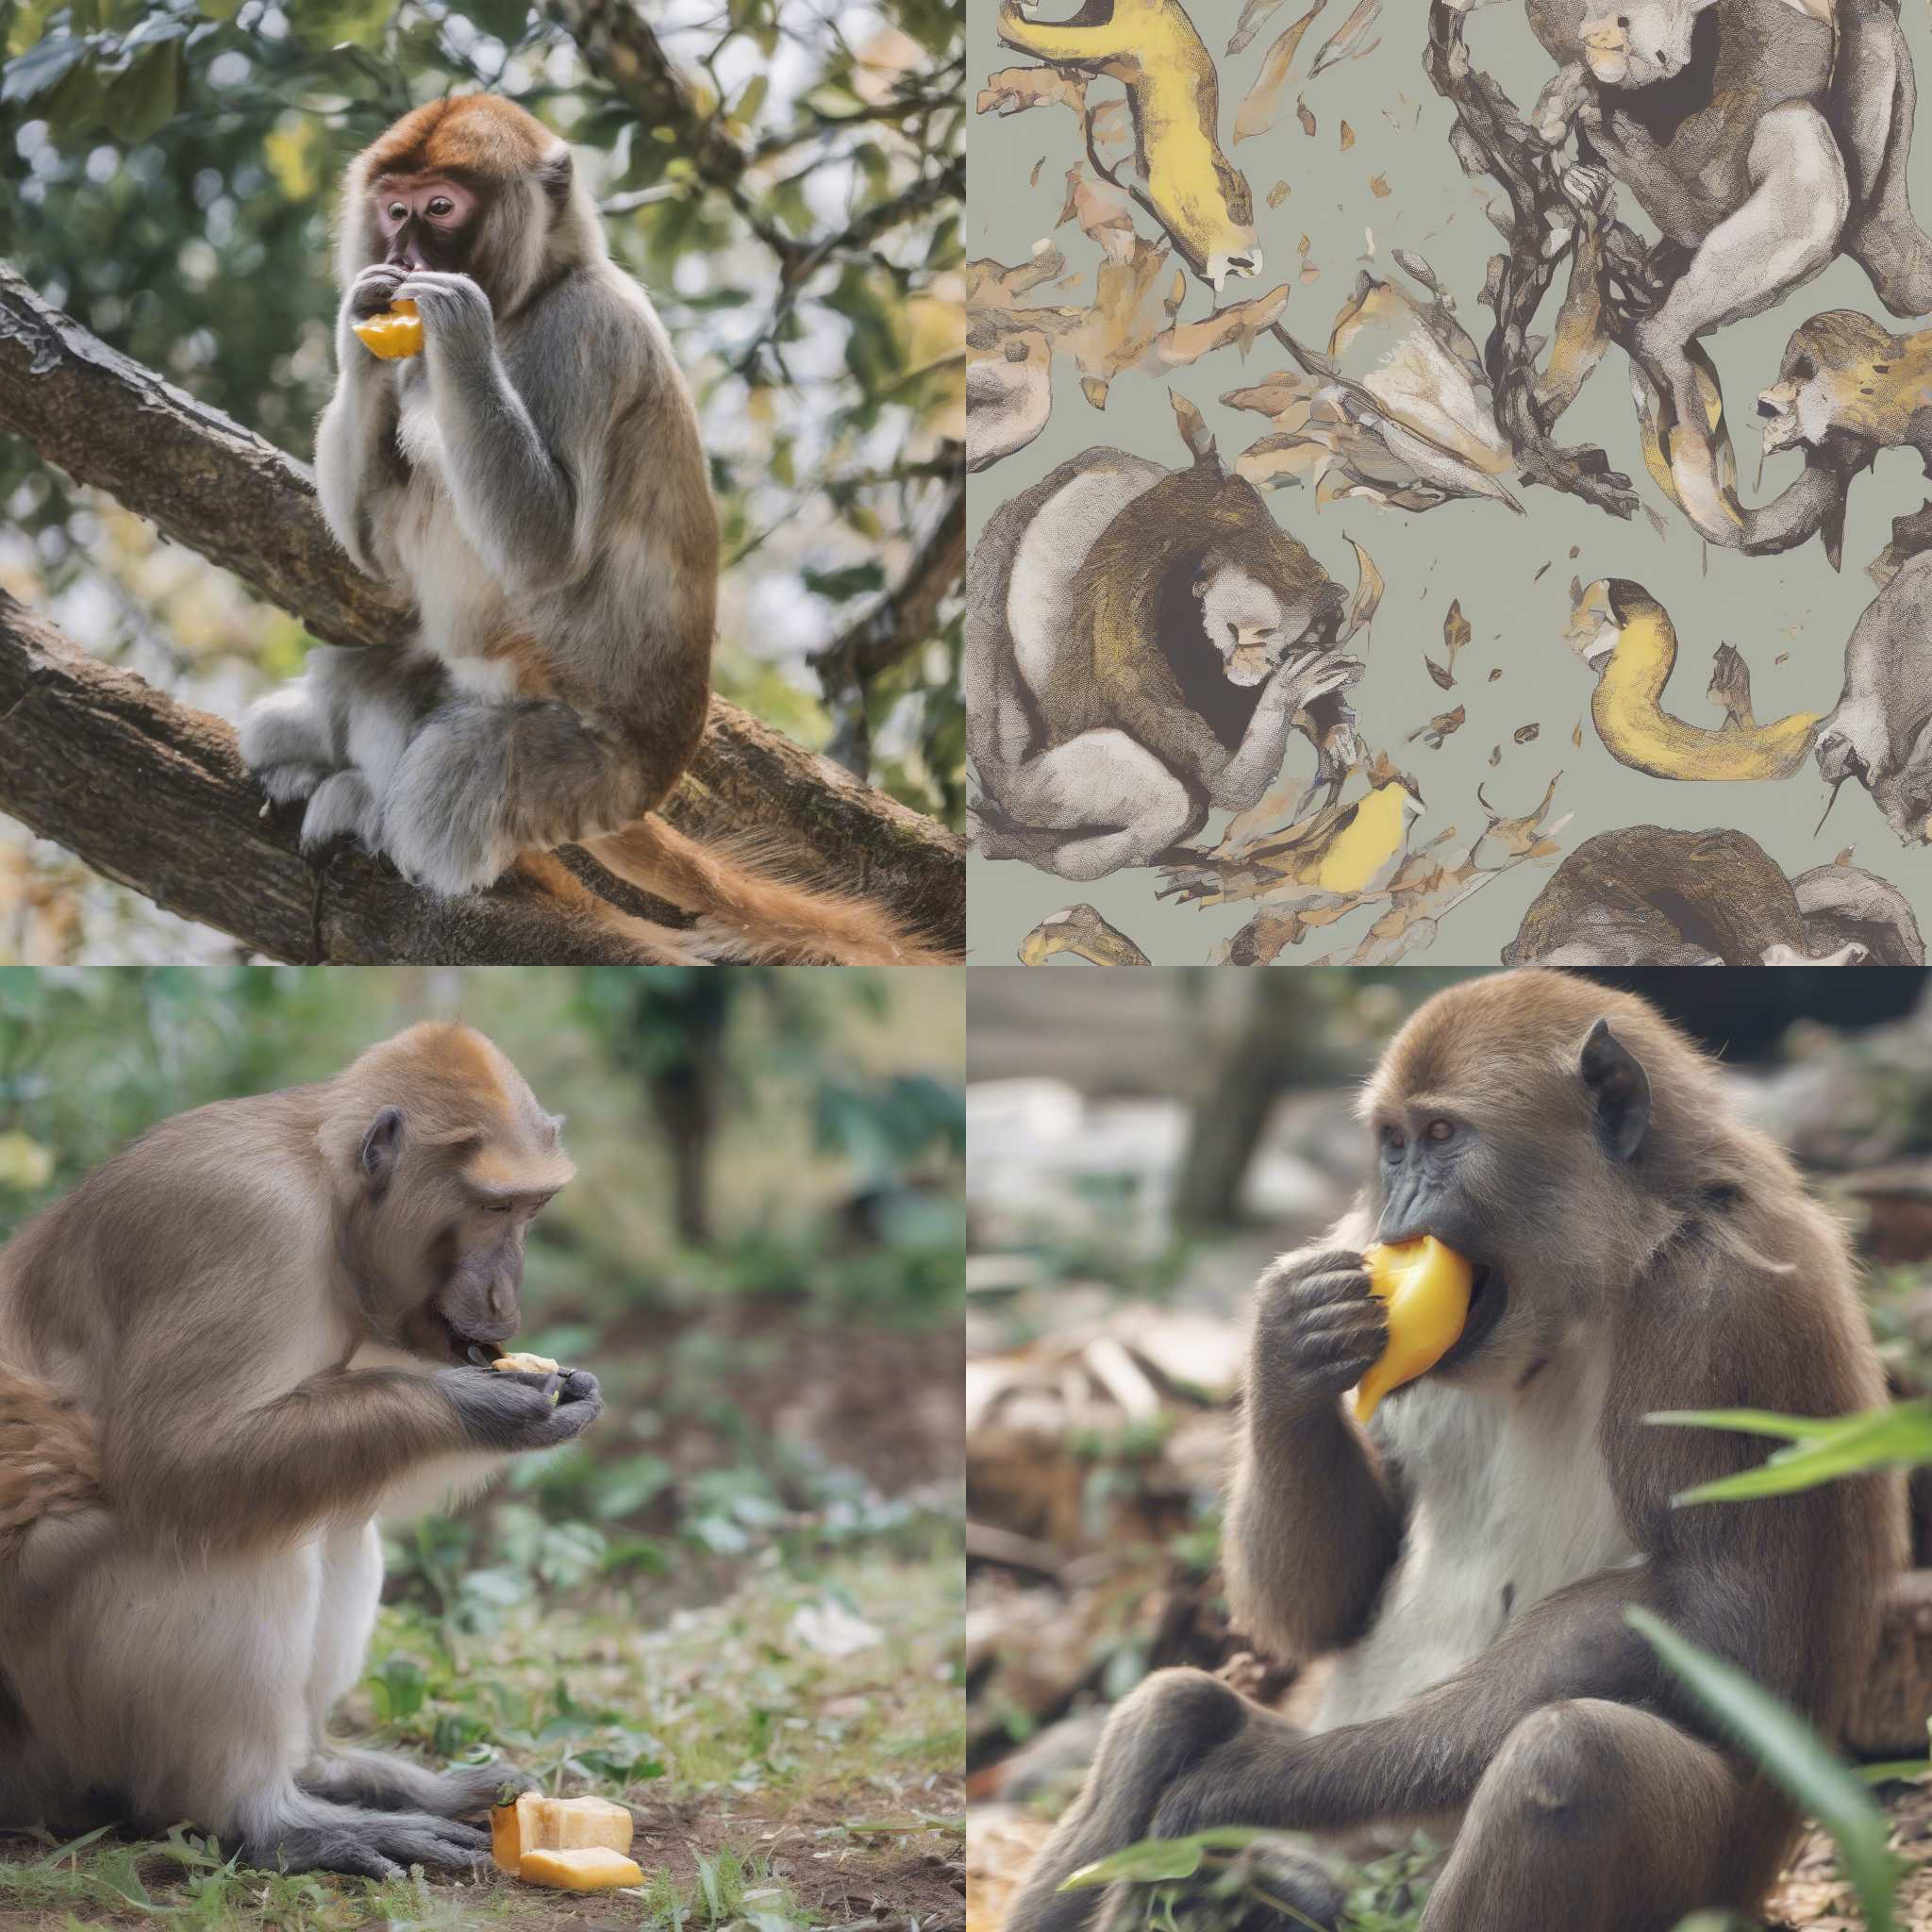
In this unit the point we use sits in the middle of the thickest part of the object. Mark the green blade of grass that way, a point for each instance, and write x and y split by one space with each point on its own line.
1895 1438
1792 1756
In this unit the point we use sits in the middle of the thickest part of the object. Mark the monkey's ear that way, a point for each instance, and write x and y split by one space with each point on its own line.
554 176
382 1146
1618 1091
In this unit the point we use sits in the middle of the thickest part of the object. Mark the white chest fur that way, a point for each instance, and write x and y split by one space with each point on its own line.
1510 1501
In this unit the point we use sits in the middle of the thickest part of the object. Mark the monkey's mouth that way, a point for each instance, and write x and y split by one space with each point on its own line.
1489 1295
438 1337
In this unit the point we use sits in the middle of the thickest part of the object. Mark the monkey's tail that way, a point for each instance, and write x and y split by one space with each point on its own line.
748 913
49 1458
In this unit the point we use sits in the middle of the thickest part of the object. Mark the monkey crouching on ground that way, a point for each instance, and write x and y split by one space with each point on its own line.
535 480
1470 1557
220 1357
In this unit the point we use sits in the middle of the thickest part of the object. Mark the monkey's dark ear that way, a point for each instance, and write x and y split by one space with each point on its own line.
1618 1091
382 1146
554 176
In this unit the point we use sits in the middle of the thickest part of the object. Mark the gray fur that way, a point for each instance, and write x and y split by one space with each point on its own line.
535 482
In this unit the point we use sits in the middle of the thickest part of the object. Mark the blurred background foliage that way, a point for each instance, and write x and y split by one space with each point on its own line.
172 174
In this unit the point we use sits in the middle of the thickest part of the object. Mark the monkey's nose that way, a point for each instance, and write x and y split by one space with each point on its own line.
1768 409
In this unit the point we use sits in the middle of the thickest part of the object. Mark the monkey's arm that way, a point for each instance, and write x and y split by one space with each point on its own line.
356 461
1113 40
188 1458
1256 761
1313 1526
517 500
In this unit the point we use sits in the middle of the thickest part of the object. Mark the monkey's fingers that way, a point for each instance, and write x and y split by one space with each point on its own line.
1345 1285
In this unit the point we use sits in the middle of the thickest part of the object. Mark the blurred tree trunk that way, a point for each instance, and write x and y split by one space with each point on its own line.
687 1089
1231 1114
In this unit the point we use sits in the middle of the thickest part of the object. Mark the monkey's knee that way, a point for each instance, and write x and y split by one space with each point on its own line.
1167 1725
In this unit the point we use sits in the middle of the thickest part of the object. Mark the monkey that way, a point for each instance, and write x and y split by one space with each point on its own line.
1139 645
1881 730
222 1357
1764 138
1181 177
534 480
1469 1558
1645 895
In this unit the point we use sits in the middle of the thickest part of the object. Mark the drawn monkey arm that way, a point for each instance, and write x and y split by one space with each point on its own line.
1113 40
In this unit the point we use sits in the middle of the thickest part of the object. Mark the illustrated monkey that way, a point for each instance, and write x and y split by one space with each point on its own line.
1140 643
535 481
1470 1557
222 1357
1764 138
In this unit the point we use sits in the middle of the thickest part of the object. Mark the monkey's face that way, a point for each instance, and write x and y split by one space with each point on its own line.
1250 626
1633 43
441 1226
1506 1126
426 221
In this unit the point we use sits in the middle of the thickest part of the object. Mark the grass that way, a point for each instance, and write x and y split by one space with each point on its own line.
775 1787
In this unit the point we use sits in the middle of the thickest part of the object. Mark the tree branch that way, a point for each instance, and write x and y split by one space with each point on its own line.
903 617
153 794
619 48
237 500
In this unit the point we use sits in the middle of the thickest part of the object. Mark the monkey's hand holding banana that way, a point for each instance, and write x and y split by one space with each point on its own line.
517 1410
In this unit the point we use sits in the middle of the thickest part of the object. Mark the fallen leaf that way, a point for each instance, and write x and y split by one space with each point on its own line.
1306 119
1345 43
1527 734
1262 104
1278 195
1379 186
1253 15
1192 425
1347 137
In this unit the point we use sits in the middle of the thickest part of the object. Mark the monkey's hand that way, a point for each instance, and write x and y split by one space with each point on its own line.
456 312
372 291
1317 1332
518 1411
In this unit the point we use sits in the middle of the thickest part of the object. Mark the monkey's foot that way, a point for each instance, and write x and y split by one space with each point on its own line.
285 741
372 1844
342 807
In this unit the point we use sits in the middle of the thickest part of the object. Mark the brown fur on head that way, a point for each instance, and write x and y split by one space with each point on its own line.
1561 1226
1843 372
533 218
440 1158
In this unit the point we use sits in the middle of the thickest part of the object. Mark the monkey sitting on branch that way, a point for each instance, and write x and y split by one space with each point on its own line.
1469 1557
534 480
222 1357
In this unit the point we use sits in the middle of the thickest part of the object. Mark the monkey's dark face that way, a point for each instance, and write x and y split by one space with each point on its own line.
426 221
438 1234
1520 1160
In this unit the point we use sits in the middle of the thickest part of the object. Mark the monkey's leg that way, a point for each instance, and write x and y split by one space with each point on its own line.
179 1689
351 1587
1596 1817
1112 801
1785 234
1875 97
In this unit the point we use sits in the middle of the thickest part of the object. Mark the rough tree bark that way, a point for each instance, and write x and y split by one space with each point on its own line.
236 499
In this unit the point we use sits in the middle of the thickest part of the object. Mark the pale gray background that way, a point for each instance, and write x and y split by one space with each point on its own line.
1480 552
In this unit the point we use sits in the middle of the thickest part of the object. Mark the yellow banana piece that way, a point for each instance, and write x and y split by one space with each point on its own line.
1427 1288
1627 637
395 332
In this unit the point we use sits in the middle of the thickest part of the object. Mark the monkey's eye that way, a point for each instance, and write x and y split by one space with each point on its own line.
443 204
1394 1139
1803 369
397 211
1440 1130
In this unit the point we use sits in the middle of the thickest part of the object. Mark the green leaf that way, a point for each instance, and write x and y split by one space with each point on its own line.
1793 1756
321 24
41 69
1747 1422
1895 1438
1155 1859
143 99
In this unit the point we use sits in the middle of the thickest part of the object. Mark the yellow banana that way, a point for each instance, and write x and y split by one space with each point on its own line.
1427 1288
395 332
1627 637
